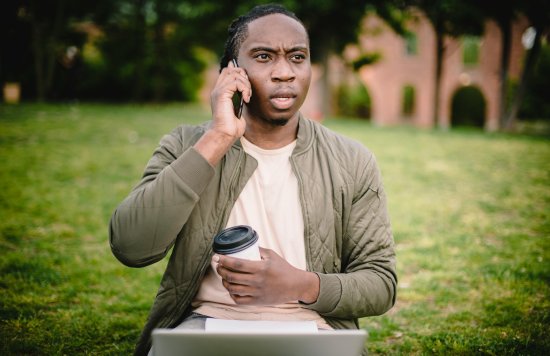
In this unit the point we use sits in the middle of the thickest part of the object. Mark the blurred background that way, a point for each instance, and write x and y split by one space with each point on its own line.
452 96
425 63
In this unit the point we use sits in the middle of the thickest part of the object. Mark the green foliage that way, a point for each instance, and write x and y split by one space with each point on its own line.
452 17
366 59
159 63
331 24
471 233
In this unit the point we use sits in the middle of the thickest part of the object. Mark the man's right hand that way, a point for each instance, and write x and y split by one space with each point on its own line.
226 128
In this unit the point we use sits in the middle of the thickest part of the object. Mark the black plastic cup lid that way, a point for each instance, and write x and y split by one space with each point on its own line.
234 239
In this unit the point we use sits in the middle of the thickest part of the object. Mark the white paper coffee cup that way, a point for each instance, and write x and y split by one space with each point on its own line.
239 241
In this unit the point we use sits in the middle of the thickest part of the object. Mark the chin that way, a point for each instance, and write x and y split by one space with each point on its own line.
280 119
271 117
278 122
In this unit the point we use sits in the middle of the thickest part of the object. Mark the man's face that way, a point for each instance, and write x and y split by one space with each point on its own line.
275 55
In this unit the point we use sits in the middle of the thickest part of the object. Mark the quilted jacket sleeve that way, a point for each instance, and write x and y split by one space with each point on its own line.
145 225
367 284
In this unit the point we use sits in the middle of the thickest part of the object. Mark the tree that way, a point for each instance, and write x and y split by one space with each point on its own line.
448 18
536 102
538 13
44 30
503 13
148 50
14 53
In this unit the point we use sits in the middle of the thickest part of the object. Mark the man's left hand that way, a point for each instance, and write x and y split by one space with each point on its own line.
270 281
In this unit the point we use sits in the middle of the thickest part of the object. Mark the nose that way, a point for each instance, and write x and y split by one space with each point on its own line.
282 71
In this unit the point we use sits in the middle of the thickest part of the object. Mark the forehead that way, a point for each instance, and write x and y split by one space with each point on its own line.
276 29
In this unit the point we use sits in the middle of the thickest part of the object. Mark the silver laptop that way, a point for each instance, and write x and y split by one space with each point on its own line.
172 342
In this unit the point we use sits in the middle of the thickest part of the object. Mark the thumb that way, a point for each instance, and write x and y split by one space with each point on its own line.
266 253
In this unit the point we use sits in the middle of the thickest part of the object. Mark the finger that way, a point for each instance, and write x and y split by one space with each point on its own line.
247 93
239 75
253 281
231 70
233 277
237 289
238 264
244 86
266 253
230 79
243 279
228 84
228 75
215 258
232 263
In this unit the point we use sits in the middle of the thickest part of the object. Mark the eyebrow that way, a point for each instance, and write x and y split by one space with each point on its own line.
299 48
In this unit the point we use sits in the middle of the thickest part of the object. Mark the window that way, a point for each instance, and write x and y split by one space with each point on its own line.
411 44
470 50
408 103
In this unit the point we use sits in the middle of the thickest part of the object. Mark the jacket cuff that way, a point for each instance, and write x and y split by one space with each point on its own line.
330 292
193 169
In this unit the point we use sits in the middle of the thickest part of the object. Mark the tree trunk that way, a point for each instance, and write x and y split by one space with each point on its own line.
44 40
532 55
38 49
160 59
439 51
51 50
326 105
506 45
141 51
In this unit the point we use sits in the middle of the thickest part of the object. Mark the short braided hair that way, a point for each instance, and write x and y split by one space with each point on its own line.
238 29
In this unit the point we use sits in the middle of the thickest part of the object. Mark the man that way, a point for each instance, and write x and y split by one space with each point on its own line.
314 197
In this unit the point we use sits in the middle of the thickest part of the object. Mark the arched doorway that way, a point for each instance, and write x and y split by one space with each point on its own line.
353 99
468 107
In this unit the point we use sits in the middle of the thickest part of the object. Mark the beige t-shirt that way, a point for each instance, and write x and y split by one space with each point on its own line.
270 204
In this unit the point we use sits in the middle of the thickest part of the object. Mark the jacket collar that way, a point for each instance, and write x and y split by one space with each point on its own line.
305 136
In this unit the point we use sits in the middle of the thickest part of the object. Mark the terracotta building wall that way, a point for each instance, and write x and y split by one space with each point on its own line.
484 75
396 69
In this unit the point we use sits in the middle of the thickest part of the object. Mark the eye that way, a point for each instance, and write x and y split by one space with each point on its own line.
298 58
262 57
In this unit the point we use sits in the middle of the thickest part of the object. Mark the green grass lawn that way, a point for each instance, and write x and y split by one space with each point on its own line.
470 214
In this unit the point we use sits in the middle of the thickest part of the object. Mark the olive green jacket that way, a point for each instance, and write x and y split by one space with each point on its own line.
182 202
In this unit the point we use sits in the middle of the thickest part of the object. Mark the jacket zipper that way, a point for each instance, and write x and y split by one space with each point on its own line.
309 267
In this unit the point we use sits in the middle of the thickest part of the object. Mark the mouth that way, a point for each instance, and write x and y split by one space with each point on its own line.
283 100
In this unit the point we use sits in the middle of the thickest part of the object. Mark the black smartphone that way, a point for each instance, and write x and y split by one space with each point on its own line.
238 101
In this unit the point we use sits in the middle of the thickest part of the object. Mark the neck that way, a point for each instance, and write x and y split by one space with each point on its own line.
270 136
